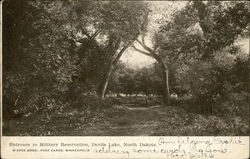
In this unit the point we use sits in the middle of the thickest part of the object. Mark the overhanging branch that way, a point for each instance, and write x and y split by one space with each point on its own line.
144 46
96 33
85 33
143 52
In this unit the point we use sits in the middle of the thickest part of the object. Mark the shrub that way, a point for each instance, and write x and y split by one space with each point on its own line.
91 102
235 105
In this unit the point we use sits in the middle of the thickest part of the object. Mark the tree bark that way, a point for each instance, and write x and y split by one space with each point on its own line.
151 53
106 81
113 63
166 93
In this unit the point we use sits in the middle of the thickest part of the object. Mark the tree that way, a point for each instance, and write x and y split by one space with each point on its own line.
153 53
196 32
37 65
221 23
200 29
126 20
135 20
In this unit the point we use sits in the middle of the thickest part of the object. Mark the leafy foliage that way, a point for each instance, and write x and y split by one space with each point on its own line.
58 54
55 50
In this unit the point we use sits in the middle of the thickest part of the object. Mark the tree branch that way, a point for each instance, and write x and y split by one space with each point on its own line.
119 55
122 50
151 53
96 33
144 46
85 33
143 39
202 14
143 52
116 59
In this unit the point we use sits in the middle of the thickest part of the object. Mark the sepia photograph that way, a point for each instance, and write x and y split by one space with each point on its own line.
125 68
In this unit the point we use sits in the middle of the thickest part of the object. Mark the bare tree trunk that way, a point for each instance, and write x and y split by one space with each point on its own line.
106 81
166 94
113 64
151 53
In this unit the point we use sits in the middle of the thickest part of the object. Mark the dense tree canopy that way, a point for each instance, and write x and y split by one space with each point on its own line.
65 55
200 41
55 49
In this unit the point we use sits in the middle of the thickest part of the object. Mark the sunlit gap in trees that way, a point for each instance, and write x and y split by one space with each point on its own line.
135 59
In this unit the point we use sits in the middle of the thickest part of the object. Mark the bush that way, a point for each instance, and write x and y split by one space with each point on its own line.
235 105
91 102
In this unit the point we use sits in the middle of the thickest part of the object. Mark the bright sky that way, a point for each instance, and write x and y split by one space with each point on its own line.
244 43
135 59
159 8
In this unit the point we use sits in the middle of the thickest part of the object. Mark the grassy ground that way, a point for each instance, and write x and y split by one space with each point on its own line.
127 117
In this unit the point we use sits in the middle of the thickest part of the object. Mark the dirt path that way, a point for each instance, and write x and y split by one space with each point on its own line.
128 120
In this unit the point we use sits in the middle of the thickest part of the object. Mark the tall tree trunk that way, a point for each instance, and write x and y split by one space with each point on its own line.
151 53
166 93
112 65
106 81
